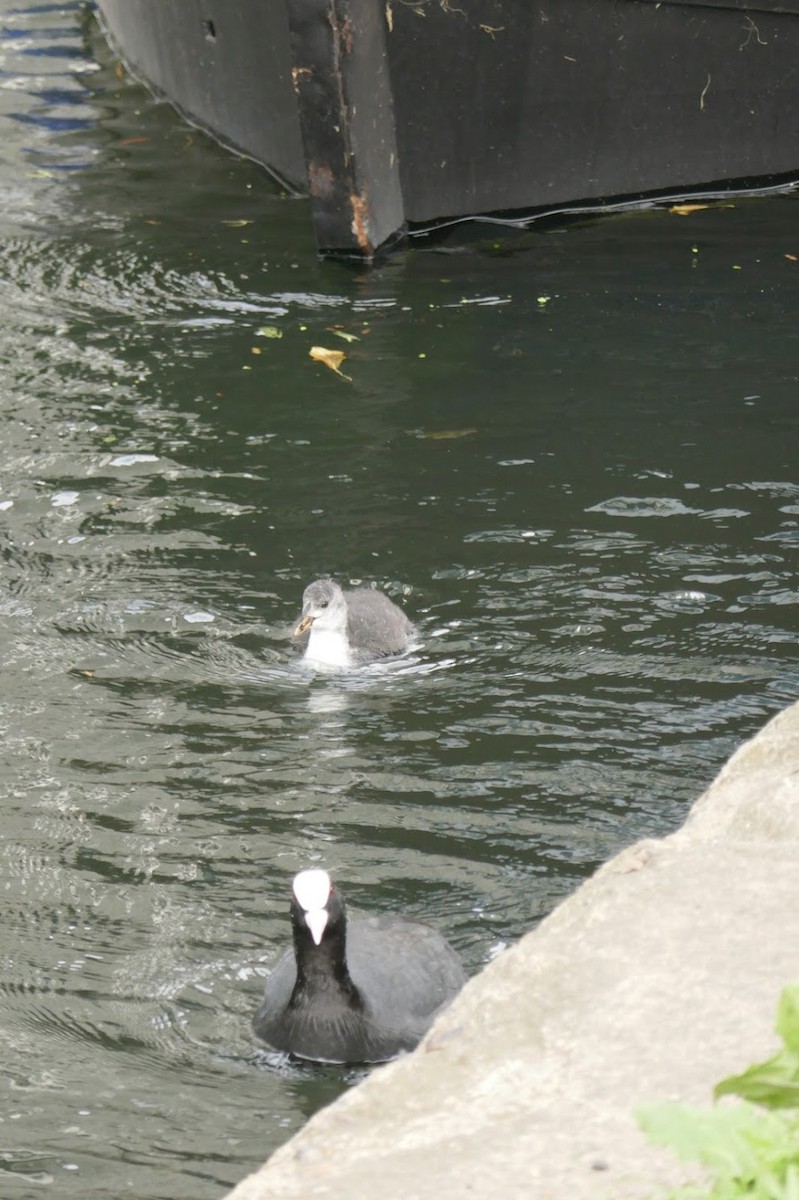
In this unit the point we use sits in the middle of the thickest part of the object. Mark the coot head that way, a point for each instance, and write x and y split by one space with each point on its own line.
324 607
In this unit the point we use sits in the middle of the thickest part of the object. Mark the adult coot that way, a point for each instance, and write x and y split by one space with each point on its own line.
344 629
358 991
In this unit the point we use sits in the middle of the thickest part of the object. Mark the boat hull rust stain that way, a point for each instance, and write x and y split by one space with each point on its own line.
360 224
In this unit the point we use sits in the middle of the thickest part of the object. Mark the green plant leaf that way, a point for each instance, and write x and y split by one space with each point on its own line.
752 1151
717 1137
791 1190
788 1017
774 1083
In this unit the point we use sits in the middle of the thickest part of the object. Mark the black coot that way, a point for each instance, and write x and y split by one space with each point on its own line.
358 991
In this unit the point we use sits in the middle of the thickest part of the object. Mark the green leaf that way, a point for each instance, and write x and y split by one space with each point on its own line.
788 1017
774 1083
753 1152
791 1190
719 1137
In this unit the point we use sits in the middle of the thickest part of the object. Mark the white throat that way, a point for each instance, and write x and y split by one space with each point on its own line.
328 647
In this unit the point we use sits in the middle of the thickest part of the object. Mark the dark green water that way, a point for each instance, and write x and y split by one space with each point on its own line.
573 456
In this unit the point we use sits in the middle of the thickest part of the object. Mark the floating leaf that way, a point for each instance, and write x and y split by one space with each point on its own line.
236 224
441 435
269 331
347 337
792 258
685 210
331 358
133 141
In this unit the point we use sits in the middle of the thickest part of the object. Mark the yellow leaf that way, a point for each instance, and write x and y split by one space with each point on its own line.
347 337
685 210
331 358
236 224
269 331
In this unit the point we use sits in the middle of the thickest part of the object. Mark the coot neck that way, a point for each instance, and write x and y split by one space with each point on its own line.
323 968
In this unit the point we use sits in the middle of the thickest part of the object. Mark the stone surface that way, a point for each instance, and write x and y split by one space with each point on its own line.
659 976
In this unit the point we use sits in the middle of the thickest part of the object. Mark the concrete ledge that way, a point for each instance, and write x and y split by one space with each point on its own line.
660 975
